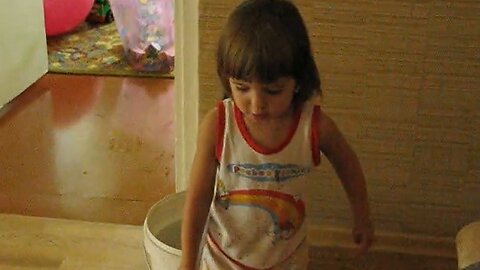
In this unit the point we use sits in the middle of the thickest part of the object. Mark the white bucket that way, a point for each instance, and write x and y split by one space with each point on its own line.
162 233
468 246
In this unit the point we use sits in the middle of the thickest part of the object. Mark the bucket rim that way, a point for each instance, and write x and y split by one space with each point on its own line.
465 229
149 234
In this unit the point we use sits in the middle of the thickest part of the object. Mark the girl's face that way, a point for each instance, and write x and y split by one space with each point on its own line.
260 101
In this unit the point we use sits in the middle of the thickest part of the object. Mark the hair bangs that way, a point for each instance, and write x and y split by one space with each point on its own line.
259 54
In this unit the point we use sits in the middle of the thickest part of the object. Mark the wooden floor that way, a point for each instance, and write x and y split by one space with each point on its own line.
88 148
36 243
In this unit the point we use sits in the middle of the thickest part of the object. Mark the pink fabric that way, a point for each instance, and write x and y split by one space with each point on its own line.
62 16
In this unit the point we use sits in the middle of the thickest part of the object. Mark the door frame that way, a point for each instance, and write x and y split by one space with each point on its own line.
186 88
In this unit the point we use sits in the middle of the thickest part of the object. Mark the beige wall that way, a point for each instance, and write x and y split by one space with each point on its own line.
23 46
401 78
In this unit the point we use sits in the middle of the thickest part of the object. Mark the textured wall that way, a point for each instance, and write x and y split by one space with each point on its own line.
402 79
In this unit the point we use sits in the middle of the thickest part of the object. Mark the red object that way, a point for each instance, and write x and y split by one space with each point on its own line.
62 16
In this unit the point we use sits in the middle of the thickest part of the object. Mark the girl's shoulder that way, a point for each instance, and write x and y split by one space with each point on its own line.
328 132
210 118
212 127
208 126
324 123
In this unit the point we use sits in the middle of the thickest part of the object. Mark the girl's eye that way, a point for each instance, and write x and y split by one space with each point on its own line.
273 91
241 88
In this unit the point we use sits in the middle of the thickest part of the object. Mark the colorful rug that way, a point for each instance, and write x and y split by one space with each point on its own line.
92 50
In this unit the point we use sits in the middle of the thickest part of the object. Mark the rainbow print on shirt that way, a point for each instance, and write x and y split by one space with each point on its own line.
287 212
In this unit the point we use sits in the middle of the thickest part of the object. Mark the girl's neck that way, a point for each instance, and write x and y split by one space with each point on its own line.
272 120
272 135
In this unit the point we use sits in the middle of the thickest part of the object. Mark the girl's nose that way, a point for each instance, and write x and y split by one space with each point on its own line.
258 104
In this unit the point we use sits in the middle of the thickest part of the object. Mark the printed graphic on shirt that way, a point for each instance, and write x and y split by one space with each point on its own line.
268 171
286 211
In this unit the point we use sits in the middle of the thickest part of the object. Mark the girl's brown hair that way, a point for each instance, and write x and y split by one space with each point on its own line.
264 40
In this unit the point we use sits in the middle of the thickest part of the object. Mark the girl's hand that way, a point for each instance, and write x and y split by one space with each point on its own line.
363 236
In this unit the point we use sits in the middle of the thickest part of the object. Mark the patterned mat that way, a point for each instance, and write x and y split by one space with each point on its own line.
95 50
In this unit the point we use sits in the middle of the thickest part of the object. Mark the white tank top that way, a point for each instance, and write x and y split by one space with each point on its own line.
257 218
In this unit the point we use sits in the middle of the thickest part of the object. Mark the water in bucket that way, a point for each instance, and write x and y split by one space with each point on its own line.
170 234
146 29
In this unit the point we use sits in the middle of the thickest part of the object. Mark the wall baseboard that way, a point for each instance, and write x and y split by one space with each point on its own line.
386 242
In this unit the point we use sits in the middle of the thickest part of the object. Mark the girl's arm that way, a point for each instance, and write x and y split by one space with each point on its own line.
346 164
199 192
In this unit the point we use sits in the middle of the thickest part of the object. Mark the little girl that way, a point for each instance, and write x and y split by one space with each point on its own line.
248 182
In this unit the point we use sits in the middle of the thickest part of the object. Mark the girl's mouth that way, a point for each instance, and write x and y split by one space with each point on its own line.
258 116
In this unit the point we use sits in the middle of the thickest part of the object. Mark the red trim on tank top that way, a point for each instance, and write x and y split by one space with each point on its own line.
315 135
220 130
257 147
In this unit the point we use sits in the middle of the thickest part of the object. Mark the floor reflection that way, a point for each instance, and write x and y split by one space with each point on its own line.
90 148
